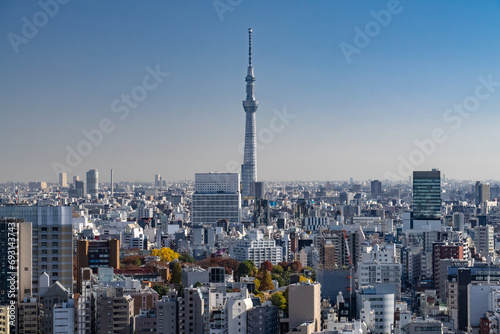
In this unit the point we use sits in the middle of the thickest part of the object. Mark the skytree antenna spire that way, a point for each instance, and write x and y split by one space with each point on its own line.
249 166
249 46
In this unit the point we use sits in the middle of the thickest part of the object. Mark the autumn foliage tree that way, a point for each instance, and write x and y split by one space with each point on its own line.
266 283
267 265
166 254
295 266
229 264
133 260
279 300
277 270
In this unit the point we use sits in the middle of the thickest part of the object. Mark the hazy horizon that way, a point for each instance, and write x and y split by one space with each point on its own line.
344 90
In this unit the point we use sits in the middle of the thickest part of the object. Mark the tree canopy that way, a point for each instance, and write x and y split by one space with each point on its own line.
230 265
266 283
267 265
176 274
246 268
279 300
166 254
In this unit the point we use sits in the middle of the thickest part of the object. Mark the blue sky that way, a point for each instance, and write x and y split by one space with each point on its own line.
351 119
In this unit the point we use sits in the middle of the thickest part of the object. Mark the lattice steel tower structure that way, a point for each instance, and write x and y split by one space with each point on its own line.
249 166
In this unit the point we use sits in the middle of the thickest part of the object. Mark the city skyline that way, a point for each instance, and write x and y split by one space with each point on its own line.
357 102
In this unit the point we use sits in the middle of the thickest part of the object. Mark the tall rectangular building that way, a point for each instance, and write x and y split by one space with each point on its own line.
304 304
63 179
93 183
482 192
216 197
52 241
15 260
376 187
427 195
484 240
95 254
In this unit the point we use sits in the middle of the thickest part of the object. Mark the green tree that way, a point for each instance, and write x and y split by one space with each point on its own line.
161 289
197 284
266 283
257 284
278 269
279 279
186 258
279 300
310 273
176 274
260 295
137 262
246 268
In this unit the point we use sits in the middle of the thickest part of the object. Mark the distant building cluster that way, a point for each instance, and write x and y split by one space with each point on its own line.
371 256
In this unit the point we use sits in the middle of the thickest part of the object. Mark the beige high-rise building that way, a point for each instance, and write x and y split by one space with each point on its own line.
10 229
27 314
304 305
4 320
63 179
51 241
115 312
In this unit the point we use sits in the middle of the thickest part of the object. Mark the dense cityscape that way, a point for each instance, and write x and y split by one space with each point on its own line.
223 252
310 257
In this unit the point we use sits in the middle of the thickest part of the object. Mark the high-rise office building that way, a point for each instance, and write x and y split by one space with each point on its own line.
249 166
216 197
93 183
458 221
15 260
95 254
112 186
482 192
63 179
257 189
158 180
107 318
427 195
381 298
80 189
376 187
304 305
52 241
484 240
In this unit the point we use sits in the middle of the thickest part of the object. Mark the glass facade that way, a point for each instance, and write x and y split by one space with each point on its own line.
427 195
52 243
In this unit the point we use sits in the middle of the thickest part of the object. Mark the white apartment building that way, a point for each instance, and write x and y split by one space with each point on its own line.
258 249
64 318
381 300
484 240
372 272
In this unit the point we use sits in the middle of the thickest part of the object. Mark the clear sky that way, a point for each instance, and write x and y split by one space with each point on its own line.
359 101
